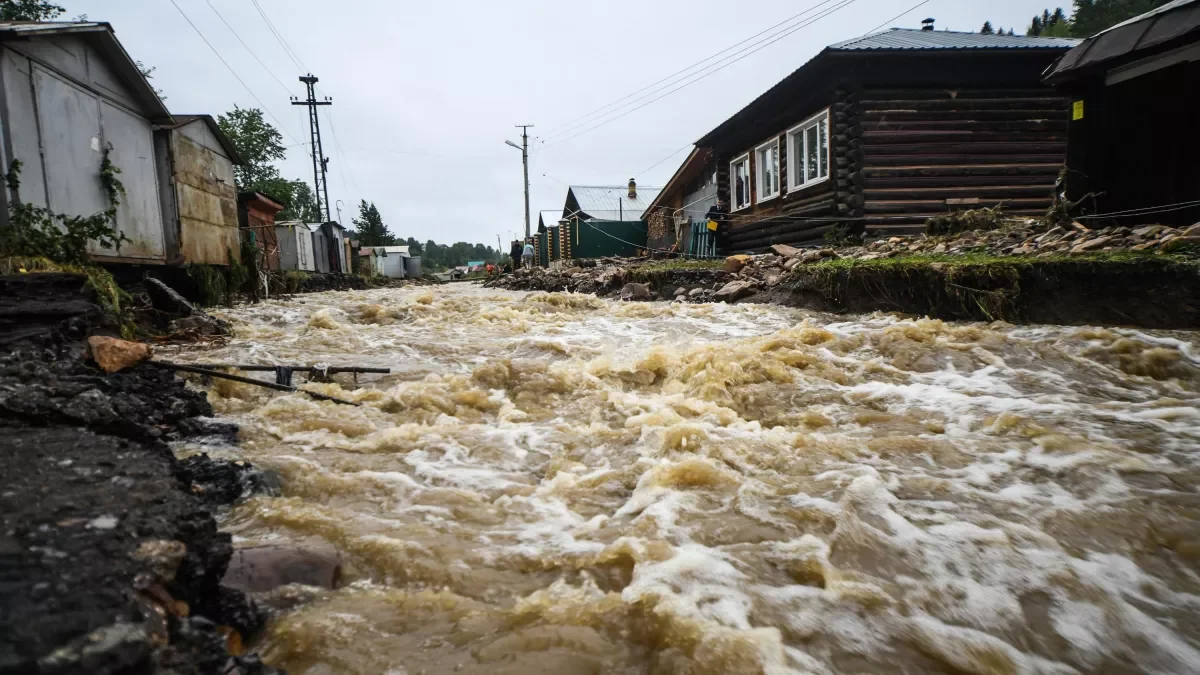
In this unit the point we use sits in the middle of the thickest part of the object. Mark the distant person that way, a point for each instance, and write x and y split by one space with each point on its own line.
718 224
514 253
527 255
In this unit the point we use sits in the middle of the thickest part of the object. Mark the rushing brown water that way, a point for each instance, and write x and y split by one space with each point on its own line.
551 483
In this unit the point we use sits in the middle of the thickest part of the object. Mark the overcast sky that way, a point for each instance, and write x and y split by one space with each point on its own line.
425 93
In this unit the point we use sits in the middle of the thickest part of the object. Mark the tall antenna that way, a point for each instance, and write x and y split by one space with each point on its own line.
320 161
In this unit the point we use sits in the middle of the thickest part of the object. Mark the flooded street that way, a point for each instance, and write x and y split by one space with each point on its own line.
552 483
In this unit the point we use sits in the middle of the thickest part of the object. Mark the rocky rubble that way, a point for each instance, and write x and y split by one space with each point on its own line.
745 276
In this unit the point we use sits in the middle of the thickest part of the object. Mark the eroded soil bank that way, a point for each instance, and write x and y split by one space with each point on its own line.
1101 289
110 558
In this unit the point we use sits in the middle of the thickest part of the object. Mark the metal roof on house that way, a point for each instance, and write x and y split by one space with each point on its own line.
104 39
606 202
1175 24
915 38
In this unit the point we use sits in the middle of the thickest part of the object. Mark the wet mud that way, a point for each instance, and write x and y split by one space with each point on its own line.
556 482
110 555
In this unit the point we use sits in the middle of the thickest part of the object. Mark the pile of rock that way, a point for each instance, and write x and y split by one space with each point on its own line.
742 276
1023 238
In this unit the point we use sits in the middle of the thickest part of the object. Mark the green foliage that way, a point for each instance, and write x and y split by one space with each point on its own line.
257 142
260 145
987 29
29 10
34 231
964 221
435 256
1089 17
369 227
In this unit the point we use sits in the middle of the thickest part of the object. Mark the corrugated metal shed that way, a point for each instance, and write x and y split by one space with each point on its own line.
1160 29
601 202
915 38
104 39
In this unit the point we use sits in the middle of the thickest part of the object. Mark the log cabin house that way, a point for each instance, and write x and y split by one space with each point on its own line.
882 132
1128 86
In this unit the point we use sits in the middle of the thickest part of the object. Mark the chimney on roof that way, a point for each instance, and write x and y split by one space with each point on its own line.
927 24
632 189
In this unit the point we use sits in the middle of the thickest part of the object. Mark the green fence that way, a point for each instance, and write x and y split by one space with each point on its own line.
601 238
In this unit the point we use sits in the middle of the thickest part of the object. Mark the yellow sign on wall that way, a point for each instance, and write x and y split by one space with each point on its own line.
1077 110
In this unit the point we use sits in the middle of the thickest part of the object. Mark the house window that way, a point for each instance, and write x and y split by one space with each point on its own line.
739 182
767 164
808 145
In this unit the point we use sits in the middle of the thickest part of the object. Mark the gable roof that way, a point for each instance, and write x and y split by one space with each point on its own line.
211 122
103 38
689 169
1174 24
549 220
606 202
915 38
809 80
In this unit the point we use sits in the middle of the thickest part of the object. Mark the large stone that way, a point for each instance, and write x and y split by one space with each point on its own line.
263 568
680 291
734 290
785 250
113 355
165 299
1149 230
1091 245
792 262
636 292
735 263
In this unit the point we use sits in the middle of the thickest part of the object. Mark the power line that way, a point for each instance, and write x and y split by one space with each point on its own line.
337 150
239 39
291 54
233 72
844 3
638 174
554 130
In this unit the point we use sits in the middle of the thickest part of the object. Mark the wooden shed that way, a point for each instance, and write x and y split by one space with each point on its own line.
884 131
1134 142
256 217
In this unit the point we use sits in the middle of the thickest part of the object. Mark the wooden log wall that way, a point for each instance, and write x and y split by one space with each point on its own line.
926 152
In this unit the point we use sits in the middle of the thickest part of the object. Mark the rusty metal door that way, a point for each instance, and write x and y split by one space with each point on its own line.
130 142
69 122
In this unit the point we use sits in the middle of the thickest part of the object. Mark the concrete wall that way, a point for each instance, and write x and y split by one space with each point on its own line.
63 107
205 196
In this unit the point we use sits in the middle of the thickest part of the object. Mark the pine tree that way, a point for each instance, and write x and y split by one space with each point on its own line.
369 227
987 29
1035 28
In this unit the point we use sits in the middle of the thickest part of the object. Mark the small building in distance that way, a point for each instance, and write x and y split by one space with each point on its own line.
882 132
202 208
598 221
72 96
392 260
296 246
256 218
1131 145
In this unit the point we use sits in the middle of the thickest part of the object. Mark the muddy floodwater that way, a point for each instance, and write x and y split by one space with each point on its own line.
553 483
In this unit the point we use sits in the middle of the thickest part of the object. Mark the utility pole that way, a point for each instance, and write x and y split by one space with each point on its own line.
525 163
320 161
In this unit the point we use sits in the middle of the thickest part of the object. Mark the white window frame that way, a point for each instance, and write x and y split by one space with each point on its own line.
744 157
797 166
758 171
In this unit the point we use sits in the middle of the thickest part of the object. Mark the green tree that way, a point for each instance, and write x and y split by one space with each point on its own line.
258 143
987 29
1089 17
369 228
29 10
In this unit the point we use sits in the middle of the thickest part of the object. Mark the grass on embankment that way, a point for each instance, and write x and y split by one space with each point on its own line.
1120 287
